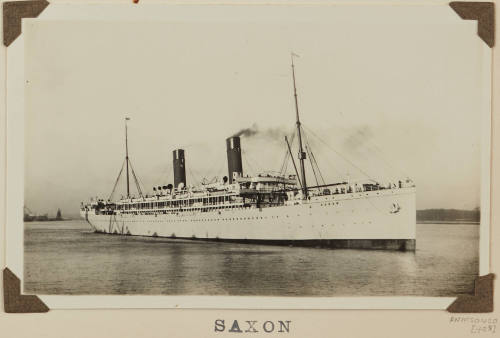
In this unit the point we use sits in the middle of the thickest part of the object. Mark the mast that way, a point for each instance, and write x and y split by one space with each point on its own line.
294 166
126 155
302 154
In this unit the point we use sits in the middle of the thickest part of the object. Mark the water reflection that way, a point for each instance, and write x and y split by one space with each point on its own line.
65 258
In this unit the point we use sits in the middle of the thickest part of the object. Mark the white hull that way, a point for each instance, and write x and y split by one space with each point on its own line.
387 215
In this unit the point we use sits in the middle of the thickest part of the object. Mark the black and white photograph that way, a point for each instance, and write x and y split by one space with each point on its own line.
274 152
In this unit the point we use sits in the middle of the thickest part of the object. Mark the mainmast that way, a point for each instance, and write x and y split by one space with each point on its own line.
302 154
126 155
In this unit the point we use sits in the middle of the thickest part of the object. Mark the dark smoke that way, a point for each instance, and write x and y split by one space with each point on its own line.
254 130
247 132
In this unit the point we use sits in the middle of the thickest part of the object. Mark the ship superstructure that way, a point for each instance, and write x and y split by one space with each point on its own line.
278 208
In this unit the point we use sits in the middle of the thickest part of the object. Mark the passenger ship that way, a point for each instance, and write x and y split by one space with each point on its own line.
276 209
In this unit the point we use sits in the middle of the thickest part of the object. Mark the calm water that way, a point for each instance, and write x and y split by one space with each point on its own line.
66 258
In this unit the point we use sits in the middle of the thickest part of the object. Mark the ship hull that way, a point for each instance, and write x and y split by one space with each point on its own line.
383 219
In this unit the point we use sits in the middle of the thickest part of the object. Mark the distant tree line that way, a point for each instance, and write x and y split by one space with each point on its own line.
30 217
448 215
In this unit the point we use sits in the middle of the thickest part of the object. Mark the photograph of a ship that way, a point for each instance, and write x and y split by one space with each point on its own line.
267 208
253 158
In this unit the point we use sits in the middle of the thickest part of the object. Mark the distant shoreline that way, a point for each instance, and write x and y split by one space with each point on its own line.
50 220
425 216
449 222
449 216
417 222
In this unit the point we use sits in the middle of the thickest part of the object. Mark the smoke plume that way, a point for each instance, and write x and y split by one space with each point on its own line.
247 132
254 130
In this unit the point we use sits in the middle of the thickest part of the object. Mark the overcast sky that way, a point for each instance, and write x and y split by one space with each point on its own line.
391 106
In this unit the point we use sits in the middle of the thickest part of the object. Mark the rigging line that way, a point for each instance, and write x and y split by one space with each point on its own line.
308 150
138 182
288 153
139 190
333 166
116 182
214 168
382 156
247 162
135 180
313 159
193 177
312 166
218 170
249 159
385 160
294 166
339 154
294 133
165 176
283 162
209 168
141 183
284 165
317 167
259 166
378 155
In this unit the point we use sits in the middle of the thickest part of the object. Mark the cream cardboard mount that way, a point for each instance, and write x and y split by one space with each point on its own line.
15 11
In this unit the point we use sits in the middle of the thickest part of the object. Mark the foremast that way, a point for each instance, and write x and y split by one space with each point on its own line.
302 154
126 156
128 164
